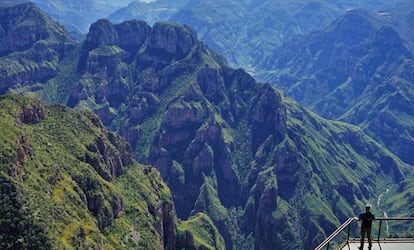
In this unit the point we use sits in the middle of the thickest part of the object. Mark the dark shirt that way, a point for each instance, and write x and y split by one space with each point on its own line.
366 219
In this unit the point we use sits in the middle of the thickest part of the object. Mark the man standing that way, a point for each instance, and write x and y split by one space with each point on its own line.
366 219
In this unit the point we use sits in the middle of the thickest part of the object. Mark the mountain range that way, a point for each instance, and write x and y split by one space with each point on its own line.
244 31
360 75
246 166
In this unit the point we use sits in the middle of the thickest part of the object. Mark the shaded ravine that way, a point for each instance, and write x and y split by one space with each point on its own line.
383 210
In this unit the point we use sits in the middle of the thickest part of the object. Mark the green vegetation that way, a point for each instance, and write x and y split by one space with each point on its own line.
47 165
53 172
51 175
203 232
150 125
20 228
146 195
209 202
106 51
57 89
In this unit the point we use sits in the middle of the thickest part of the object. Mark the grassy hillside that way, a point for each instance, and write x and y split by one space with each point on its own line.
69 183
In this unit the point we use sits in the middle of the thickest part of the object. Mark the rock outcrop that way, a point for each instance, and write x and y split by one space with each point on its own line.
31 45
32 114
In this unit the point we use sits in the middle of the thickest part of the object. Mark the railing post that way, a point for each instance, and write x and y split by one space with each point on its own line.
379 230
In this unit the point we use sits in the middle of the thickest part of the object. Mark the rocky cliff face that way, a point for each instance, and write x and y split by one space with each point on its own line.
31 45
220 139
26 115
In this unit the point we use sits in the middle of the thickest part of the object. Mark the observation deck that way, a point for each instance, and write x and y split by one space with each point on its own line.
386 234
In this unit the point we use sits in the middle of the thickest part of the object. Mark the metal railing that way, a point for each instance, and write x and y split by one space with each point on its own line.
347 226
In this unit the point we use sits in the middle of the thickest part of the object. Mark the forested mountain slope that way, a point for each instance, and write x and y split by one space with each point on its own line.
69 183
356 70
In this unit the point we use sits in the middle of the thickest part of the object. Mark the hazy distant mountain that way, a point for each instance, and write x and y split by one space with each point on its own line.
357 70
151 12
267 172
401 17
242 38
77 15
244 31
118 3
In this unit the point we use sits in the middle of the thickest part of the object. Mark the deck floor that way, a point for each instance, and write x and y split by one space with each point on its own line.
383 244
